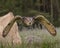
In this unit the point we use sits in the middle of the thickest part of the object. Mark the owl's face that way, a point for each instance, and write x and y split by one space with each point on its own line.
28 21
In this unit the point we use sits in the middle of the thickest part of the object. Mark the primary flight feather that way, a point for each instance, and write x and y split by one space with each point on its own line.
51 29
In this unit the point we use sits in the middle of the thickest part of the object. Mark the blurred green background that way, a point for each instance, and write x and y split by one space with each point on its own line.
49 8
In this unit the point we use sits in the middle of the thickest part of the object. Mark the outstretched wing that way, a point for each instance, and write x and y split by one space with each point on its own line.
10 24
51 29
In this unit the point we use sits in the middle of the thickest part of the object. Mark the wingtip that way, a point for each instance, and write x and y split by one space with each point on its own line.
3 35
54 33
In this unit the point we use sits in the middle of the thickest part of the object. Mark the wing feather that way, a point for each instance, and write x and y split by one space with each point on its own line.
51 29
10 24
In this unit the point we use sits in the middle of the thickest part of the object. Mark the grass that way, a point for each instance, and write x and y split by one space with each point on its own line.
37 39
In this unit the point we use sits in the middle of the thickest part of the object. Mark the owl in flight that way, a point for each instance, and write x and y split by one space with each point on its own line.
50 27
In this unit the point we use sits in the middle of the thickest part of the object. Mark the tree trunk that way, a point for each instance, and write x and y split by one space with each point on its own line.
51 11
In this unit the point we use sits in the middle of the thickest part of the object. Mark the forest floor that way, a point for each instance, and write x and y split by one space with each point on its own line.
37 38
41 38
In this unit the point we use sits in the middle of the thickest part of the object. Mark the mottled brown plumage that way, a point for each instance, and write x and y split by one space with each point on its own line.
10 24
51 29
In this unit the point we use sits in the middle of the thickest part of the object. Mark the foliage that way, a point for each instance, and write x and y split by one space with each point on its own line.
31 8
47 41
